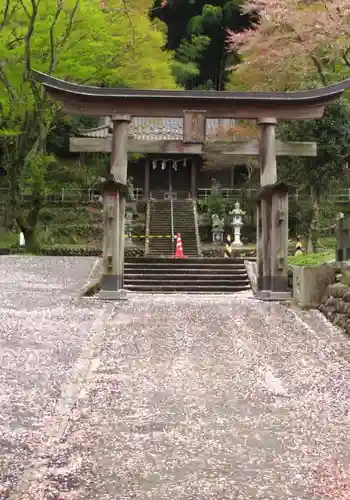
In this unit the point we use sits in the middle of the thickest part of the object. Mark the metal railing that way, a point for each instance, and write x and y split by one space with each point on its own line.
172 222
227 193
67 195
161 194
231 194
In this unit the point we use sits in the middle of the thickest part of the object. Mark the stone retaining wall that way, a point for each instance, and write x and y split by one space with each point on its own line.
310 284
336 305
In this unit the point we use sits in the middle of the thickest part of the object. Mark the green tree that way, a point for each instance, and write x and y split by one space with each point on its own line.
316 177
293 44
73 40
188 56
197 34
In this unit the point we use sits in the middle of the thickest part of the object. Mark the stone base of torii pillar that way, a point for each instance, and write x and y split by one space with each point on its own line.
272 243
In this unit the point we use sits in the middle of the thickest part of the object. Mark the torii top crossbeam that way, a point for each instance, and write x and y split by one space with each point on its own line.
96 101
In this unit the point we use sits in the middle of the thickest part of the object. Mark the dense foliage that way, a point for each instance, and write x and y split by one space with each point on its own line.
197 34
75 40
293 44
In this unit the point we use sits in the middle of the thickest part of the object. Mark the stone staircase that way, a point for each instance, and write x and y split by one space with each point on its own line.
184 223
160 225
194 275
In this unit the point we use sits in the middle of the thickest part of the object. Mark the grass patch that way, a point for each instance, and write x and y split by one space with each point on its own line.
328 243
311 259
8 239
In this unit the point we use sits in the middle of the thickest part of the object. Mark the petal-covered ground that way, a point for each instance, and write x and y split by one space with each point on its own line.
192 397
42 332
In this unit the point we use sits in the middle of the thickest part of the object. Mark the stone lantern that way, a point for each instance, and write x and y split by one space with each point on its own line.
237 223
217 228
128 228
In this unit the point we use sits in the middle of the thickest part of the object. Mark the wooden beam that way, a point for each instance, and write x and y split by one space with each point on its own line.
77 105
101 145
97 101
251 148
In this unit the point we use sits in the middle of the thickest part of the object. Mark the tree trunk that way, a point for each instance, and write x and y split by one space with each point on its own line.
28 226
314 226
31 241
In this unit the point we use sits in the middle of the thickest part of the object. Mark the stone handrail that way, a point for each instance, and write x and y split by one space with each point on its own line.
148 218
196 225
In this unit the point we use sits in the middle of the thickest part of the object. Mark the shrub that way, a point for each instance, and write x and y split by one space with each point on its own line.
70 251
310 260
85 252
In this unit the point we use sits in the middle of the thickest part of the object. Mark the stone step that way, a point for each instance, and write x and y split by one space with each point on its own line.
184 223
198 260
161 216
192 263
193 275
184 247
170 253
160 241
165 222
190 288
132 280
160 231
160 245
205 274
188 215
157 225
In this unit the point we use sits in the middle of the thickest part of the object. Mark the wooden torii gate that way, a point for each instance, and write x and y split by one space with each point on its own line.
194 107
228 153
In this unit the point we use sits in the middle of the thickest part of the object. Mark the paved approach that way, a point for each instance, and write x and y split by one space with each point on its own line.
42 333
180 397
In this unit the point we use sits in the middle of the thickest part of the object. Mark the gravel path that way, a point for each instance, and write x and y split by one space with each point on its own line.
42 332
165 397
209 398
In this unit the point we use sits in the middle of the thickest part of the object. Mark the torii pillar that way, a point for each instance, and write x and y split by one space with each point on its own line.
112 284
272 220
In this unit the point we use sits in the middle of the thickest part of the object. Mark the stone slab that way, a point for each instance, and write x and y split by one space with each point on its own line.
120 294
272 295
252 272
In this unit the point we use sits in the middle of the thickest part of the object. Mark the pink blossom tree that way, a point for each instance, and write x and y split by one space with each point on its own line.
293 44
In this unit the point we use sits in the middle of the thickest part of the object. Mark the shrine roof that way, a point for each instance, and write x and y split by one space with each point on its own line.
304 95
161 129
98 101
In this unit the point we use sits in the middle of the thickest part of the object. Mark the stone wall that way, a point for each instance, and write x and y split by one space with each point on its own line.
210 251
336 305
310 284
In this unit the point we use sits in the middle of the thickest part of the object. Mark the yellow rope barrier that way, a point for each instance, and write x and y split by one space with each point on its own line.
150 236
